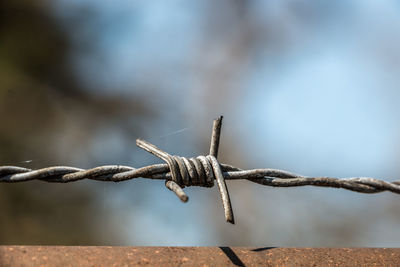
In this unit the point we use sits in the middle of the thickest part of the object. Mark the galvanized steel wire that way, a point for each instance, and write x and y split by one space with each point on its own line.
179 172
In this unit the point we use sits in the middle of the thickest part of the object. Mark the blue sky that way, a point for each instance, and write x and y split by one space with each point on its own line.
319 95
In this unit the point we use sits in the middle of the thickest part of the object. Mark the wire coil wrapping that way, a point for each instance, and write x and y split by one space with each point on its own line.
180 172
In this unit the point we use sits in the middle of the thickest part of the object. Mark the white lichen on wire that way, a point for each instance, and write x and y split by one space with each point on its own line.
179 172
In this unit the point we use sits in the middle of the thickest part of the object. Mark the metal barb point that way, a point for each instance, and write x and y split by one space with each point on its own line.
223 189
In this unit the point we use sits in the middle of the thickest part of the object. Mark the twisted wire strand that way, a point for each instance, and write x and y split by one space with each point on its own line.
179 172
267 177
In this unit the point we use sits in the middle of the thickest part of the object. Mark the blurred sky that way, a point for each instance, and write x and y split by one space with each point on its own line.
306 86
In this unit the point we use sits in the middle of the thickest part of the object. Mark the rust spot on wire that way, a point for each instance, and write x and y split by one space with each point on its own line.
180 172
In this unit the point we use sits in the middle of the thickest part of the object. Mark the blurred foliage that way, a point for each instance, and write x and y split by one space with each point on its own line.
40 98
61 216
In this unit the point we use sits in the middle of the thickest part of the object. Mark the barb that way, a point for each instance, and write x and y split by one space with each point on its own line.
179 172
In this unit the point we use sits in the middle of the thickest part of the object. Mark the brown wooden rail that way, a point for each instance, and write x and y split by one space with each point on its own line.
195 256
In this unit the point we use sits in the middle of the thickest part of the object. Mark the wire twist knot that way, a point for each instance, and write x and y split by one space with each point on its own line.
193 171
199 171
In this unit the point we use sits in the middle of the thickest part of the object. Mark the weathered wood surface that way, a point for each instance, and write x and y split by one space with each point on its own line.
195 256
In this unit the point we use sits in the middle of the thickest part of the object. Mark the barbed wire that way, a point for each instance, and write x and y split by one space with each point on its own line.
180 172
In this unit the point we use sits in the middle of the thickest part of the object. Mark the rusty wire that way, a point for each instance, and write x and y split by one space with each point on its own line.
179 172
